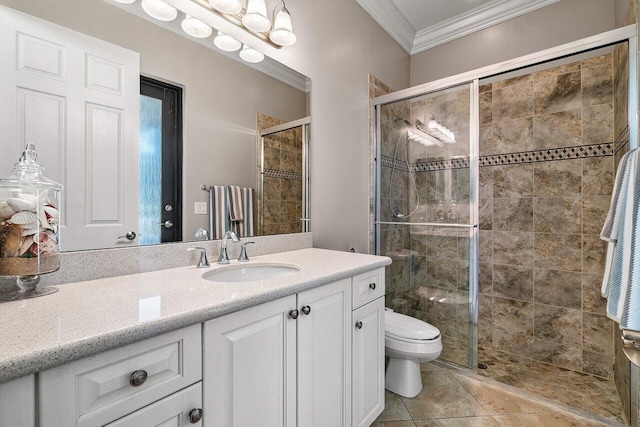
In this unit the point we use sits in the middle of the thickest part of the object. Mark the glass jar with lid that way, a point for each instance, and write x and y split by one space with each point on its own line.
29 226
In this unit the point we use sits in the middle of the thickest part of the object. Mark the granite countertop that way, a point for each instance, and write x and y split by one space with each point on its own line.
90 317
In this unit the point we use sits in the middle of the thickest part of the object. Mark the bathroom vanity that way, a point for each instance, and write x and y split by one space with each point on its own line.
171 348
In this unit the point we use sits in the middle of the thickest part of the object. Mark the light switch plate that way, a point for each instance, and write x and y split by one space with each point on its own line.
200 208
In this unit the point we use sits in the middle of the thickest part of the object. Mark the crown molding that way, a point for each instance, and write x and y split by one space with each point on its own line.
269 66
389 17
477 19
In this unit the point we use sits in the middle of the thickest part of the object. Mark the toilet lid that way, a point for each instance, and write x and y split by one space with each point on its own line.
403 326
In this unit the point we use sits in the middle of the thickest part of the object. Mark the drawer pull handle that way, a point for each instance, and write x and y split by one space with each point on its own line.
358 325
294 314
195 415
138 378
372 286
306 309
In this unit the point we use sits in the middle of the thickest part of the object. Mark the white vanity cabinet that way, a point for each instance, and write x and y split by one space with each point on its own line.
103 388
283 363
368 347
18 402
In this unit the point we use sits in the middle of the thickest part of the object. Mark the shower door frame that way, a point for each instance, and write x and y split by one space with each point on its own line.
627 34
304 123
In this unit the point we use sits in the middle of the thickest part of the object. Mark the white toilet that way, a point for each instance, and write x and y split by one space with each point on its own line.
408 342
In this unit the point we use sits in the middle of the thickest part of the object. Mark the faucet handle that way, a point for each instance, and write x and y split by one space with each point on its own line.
243 252
203 262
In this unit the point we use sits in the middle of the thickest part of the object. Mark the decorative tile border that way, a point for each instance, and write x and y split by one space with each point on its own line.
621 140
274 173
388 162
440 165
563 153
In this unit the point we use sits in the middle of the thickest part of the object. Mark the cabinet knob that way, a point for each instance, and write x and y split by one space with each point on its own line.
294 314
195 415
306 309
138 378
358 325
372 286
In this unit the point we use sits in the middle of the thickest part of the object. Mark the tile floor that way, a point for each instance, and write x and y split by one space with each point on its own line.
588 393
455 399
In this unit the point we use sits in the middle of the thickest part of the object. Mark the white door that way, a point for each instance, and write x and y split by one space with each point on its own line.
324 355
77 99
250 367
368 363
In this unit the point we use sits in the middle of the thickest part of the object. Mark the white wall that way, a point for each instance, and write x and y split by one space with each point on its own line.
338 45
561 22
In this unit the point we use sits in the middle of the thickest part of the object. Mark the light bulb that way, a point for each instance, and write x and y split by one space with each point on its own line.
196 28
226 6
282 33
159 10
249 54
226 42
255 19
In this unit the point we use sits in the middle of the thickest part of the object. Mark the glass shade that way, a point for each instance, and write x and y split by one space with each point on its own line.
159 10
255 19
196 28
226 6
282 33
125 1
249 54
226 42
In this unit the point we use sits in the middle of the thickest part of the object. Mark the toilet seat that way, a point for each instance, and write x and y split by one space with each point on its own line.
408 329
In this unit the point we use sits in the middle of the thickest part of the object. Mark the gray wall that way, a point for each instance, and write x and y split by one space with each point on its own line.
222 96
561 22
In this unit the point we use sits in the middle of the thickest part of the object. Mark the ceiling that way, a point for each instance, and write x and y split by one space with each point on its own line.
418 25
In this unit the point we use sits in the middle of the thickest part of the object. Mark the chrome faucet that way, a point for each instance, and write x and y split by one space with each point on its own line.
243 252
224 255
203 262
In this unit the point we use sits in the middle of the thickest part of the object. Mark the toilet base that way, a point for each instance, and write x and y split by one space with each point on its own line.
403 377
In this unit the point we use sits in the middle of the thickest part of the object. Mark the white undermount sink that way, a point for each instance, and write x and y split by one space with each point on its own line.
251 272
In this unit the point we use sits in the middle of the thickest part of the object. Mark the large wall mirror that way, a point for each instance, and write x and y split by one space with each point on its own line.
142 124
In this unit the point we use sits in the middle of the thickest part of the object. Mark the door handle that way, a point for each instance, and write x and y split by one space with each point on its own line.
129 236
166 224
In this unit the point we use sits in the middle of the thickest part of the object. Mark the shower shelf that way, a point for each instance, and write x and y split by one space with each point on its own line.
429 224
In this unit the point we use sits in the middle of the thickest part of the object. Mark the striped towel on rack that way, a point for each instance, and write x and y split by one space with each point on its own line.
219 211
243 227
621 283
236 211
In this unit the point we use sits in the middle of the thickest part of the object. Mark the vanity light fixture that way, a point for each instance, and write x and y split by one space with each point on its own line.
230 7
251 55
159 10
126 1
441 132
226 42
255 18
196 28
282 32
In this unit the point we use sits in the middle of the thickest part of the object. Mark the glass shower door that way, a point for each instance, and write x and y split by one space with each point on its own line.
426 212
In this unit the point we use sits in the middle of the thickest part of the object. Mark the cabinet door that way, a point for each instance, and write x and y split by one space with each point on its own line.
172 411
18 403
324 356
368 362
250 367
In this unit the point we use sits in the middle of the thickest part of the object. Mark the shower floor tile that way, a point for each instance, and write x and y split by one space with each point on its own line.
585 392
452 398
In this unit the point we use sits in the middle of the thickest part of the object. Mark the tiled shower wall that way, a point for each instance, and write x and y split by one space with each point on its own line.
282 180
541 260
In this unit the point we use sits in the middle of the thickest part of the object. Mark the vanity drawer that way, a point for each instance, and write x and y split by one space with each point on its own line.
367 287
102 388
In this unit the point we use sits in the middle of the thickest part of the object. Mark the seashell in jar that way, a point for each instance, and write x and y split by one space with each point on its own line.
45 245
30 197
51 212
10 239
44 221
52 236
24 218
20 204
6 211
28 241
30 231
